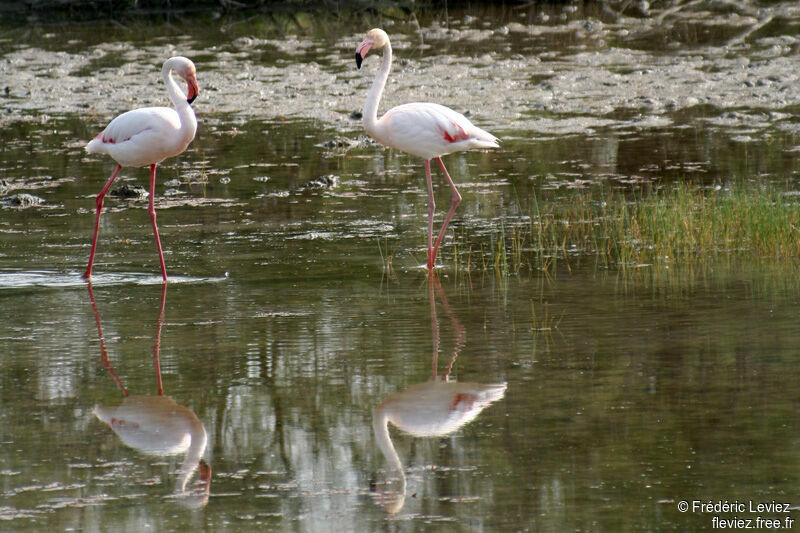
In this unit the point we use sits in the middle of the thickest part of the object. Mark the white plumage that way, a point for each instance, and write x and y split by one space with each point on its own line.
142 137
430 130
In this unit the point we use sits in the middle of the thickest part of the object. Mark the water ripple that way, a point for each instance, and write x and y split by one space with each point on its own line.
43 278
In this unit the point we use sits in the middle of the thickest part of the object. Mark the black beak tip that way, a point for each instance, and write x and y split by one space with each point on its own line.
359 59
190 100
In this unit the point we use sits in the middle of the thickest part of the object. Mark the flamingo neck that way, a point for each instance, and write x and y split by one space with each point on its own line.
199 440
375 93
380 427
392 500
185 112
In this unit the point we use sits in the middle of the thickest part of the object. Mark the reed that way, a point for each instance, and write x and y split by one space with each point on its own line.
387 255
685 222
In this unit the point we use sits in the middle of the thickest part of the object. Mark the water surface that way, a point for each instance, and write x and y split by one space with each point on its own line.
282 330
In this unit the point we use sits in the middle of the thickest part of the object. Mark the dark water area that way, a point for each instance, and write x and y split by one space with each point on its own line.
253 393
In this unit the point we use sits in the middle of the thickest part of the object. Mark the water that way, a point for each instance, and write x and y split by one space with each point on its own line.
281 331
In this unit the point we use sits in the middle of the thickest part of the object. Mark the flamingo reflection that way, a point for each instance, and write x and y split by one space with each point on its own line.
157 425
434 408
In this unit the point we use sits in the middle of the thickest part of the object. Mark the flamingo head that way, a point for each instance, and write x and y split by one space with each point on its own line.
191 86
186 70
375 39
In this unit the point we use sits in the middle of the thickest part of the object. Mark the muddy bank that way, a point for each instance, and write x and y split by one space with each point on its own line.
81 10
531 72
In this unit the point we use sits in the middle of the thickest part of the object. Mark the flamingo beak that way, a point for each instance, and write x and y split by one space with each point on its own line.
362 50
192 89
205 471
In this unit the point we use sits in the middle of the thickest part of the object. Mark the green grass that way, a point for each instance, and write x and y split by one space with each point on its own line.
683 222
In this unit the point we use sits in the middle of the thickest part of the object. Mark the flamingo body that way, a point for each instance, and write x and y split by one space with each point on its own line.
147 136
436 407
423 129
429 131
143 137
431 409
155 425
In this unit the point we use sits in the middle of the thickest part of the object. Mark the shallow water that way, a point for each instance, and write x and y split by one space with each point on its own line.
282 331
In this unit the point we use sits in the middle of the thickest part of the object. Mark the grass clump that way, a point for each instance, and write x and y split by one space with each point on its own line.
683 222
689 221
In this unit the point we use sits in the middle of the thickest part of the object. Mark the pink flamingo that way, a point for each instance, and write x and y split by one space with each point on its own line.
420 128
147 136
433 408
157 425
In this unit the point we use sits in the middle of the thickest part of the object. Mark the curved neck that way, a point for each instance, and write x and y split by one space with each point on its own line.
185 112
175 94
193 455
391 499
375 93
380 426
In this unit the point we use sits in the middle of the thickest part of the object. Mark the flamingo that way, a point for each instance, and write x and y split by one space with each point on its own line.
147 136
423 129
433 408
157 424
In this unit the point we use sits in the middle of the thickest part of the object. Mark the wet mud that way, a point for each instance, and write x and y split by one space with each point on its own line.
564 70
21 201
328 181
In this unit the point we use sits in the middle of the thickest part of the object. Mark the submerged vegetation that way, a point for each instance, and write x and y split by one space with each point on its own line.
681 223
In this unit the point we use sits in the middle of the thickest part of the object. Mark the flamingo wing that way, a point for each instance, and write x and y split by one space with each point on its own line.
140 137
431 130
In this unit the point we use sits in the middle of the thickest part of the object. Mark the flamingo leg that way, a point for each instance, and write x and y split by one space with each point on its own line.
152 210
157 342
103 349
461 334
99 202
434 325
431 208
455 201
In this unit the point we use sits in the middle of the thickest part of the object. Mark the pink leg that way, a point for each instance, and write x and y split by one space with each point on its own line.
99 202
434 324
103 350
152 210
461 334
431 208
453 205
157 342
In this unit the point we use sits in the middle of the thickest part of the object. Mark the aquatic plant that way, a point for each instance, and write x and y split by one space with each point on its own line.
387 255
621 229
